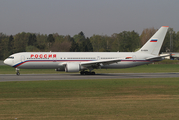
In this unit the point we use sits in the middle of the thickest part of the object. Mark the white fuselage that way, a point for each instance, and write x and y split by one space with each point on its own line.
55 60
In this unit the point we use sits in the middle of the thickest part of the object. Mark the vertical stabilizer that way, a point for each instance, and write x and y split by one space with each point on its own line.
153 45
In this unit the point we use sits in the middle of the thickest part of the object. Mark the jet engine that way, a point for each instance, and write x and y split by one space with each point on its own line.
72 67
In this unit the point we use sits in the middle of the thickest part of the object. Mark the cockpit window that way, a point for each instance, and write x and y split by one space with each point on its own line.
10 57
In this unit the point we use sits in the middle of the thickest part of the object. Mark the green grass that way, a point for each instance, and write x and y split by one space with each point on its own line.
140 99
152 68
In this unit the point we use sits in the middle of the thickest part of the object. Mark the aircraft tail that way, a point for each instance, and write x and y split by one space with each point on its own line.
153 45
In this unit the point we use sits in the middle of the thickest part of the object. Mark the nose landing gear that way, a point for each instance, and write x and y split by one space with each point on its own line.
17 71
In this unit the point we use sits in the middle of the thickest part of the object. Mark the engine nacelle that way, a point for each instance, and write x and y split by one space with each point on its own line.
72 67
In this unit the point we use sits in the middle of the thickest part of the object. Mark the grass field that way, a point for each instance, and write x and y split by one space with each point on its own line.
140 69
120 99
114 99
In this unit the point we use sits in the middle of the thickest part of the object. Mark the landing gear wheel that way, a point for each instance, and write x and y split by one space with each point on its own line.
93 73
18 73
82 72
87 73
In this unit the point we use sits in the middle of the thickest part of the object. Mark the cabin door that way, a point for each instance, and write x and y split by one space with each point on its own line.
98 57
22 58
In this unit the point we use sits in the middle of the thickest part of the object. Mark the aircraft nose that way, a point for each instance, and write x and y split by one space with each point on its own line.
7 62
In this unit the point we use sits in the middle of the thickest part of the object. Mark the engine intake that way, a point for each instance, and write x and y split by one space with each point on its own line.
72 67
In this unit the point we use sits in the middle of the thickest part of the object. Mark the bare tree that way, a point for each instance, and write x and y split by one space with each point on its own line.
147 34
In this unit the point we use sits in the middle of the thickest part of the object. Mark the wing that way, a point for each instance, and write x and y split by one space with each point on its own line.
100 62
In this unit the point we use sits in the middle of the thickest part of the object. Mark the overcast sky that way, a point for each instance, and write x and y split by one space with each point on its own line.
102 17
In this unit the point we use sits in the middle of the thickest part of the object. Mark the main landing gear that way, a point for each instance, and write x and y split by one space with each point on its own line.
87 73
17 71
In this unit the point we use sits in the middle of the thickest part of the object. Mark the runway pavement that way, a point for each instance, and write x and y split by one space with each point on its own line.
36 77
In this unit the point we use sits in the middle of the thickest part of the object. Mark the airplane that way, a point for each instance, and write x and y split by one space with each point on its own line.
86 62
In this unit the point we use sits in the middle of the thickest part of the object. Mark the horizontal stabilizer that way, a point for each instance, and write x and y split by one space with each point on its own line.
157 58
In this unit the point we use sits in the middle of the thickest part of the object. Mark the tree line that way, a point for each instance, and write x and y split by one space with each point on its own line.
126 41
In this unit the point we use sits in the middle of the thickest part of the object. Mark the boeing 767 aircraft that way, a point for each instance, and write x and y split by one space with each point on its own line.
85 62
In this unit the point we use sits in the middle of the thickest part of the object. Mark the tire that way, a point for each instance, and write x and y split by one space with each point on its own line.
18 73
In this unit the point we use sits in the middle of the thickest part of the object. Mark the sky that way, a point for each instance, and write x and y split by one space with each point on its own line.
100 17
